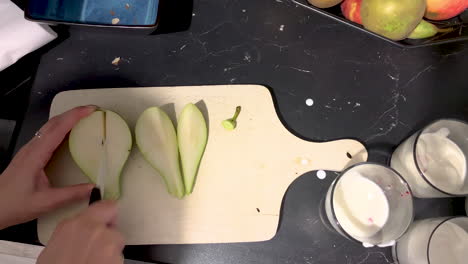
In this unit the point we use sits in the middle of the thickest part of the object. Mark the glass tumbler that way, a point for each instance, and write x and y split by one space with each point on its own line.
369 203
433 161
434 241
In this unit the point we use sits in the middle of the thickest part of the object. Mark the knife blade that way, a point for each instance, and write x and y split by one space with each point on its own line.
101 179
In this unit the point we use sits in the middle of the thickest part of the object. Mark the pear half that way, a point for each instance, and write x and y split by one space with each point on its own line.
192 135
156 138
100 145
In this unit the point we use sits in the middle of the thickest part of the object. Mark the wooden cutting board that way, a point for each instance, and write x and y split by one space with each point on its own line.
242 178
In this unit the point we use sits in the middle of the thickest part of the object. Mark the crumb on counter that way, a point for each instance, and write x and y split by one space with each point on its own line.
116 61
115 21
127 6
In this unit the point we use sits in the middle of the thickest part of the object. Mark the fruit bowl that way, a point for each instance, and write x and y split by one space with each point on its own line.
458 23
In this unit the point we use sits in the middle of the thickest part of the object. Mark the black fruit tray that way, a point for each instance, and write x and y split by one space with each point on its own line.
459 24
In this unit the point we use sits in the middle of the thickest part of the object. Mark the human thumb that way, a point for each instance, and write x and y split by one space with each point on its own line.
104 212
54 198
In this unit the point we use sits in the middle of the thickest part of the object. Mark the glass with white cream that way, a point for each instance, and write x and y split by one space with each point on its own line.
370 203
434 241
433 161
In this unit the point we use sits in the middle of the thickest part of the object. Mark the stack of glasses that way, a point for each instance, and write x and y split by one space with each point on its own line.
373 204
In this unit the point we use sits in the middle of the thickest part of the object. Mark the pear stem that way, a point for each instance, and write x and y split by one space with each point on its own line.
236 114
443 30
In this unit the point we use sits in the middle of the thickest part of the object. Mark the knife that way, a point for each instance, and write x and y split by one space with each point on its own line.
95 196
99 190
97 193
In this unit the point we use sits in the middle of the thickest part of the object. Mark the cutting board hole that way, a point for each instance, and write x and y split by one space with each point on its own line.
258 210
349 155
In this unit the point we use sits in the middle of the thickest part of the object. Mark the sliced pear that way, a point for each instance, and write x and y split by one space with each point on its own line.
192 135
156 138
118 147
86 144
100 145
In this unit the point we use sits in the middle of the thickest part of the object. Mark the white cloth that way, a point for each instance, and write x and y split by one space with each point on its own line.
7 259
19 36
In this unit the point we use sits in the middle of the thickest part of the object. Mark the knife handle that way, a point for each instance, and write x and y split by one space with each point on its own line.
95 196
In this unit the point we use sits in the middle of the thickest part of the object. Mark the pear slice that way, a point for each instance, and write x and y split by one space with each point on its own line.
100 145
156 138
192 135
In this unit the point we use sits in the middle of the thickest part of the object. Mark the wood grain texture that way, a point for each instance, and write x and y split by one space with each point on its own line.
242 179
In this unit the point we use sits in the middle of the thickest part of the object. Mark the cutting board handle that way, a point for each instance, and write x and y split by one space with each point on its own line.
312 156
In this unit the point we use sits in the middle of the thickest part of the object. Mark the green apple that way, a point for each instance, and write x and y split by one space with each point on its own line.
192 135
156 138
100 145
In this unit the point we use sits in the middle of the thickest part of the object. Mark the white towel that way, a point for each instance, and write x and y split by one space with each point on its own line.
7 259
19 36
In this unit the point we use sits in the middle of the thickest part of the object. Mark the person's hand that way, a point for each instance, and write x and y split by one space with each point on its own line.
25 192
89 238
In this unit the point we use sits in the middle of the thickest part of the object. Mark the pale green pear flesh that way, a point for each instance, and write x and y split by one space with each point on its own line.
100 145
157 140
118 147
192 135
85 144
229 124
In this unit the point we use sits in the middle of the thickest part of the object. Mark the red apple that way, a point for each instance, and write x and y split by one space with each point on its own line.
444 9
351 9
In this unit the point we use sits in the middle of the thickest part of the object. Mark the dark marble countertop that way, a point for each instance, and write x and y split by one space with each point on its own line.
362 88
